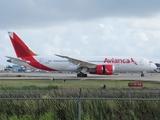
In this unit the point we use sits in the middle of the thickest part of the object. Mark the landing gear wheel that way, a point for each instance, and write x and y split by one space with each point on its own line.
78 75
84 75
142 75
81 75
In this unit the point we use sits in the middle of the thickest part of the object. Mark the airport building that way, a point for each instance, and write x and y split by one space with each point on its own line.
16 68
157 64
158 67
2 68
19 68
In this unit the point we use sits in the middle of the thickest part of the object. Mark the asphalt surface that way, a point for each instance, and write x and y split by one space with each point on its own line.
59 76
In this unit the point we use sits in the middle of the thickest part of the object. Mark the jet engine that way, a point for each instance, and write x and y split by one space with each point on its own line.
104 70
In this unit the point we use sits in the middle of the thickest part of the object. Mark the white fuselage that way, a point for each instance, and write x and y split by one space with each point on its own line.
121 63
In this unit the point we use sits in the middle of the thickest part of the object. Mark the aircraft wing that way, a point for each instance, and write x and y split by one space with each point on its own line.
80 63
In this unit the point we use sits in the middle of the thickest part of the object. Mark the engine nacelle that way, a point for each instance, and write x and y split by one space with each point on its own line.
104 70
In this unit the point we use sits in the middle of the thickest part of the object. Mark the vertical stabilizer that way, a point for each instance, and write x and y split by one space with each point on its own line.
21 49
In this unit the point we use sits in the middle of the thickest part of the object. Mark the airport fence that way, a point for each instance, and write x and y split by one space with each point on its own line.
78 108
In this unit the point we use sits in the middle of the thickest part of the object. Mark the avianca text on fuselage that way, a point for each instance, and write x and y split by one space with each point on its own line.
123 61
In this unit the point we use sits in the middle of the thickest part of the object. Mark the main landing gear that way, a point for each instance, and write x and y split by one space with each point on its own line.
81 74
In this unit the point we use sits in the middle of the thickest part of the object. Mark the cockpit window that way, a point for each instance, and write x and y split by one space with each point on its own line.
150 62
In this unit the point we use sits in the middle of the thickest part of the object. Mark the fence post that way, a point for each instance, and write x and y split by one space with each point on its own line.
79 105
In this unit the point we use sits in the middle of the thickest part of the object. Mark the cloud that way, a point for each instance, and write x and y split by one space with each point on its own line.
41 13
143 36
150 23
102 25
82 28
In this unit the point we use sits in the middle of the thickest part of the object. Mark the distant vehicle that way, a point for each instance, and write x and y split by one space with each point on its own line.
157 70
28 71
101 65
21 70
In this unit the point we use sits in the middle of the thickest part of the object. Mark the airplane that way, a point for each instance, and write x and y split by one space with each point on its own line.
101 65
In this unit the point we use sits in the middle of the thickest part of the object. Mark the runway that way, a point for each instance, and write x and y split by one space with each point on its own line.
60 76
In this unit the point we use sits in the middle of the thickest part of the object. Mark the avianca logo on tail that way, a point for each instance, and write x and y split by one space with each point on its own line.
123 61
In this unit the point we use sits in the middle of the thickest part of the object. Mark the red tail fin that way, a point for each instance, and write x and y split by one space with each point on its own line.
21 49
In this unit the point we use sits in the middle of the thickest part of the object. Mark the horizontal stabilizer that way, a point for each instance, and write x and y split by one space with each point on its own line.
18 61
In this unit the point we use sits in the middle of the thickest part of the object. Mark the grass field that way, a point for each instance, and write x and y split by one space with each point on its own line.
68 109
76 84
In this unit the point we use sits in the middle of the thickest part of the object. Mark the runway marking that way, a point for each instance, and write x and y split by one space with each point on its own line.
82 79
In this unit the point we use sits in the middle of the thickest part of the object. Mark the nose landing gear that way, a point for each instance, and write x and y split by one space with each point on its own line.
142 74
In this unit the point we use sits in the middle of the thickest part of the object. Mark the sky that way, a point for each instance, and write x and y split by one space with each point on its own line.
82 27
